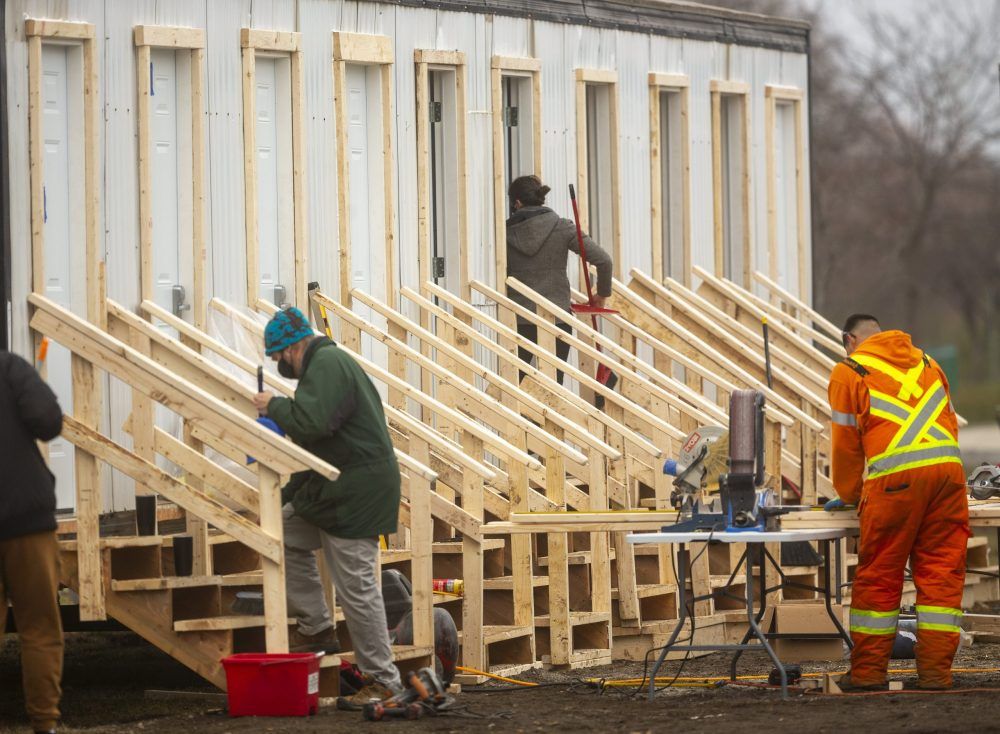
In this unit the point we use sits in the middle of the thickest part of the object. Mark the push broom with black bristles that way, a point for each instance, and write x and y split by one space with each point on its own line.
604 374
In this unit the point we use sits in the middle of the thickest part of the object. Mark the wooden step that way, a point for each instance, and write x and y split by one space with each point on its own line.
399 652
644 591
251 578
457 547
506 583
119 541
225 622
576 558
500 632
576 618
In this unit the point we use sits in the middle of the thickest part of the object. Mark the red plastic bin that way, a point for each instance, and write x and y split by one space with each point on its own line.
278 684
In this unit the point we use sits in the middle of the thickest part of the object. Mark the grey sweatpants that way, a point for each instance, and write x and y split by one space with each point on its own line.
352 564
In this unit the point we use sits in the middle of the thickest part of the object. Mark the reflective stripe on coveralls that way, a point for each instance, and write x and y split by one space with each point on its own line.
844 419
874 623
942 619
906 451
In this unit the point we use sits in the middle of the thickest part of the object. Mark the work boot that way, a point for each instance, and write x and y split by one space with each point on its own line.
371 692
323 641
848 686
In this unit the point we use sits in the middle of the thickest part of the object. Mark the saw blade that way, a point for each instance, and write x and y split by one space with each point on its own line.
984 482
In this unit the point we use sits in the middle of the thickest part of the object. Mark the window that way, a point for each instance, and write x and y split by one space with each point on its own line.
731 180
274 168
670 176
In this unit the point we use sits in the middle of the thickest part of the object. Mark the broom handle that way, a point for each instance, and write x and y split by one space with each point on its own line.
583 248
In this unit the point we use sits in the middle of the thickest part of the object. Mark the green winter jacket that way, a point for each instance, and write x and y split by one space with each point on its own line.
337 415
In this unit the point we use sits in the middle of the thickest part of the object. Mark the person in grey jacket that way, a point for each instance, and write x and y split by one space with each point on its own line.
538 245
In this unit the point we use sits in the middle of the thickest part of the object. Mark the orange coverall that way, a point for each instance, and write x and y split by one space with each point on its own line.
892 415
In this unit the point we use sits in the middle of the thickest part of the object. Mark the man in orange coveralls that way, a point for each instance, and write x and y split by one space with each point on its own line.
892 413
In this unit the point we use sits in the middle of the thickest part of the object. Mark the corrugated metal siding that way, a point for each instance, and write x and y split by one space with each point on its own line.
561 48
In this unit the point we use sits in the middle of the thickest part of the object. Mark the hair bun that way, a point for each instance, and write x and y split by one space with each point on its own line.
544 191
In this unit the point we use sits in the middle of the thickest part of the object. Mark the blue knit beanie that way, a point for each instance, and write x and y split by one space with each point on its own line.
286 328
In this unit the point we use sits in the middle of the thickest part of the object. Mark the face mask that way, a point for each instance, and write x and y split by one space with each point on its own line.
286 370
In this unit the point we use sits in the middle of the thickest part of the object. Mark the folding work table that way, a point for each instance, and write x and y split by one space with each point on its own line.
755 541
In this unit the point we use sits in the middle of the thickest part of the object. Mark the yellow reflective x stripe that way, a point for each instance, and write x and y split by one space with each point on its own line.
889 408
921 416
907 380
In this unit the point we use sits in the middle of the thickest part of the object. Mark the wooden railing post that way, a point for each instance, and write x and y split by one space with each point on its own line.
87 411
275 603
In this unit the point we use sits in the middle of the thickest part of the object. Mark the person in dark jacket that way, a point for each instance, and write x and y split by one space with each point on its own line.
337 415
538 245
29 551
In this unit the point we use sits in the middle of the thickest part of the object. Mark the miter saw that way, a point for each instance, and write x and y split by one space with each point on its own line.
729 462
984 482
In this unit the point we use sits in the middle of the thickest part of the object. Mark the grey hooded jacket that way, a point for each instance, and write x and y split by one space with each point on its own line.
538 245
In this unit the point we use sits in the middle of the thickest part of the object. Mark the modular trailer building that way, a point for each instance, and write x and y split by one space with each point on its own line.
180 150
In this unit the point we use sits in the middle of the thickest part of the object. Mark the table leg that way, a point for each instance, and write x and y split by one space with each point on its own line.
826 593
682 615
755 628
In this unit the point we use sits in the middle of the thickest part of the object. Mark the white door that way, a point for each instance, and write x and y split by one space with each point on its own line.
275 218
366 212
445 235
166 182
786 200
57 234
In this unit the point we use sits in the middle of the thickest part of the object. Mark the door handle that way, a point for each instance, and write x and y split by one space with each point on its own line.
178 294
280 294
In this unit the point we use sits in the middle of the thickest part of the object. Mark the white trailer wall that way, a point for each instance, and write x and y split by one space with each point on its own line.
561 49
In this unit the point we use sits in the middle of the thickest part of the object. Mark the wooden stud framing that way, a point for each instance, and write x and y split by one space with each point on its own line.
610 80
773 95
525 67
289 45
86 388
680 85
368 50
192 40
718 89
37 32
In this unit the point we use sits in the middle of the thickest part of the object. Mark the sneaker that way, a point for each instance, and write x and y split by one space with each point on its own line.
372 691
323 641
848 686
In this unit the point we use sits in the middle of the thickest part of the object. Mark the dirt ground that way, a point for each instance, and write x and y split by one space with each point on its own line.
109 677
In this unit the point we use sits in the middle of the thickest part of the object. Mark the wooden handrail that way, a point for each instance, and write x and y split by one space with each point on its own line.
549 383
491 378
485 401
190 401
731 342
821 321
631 297
173 489
794 364
630 364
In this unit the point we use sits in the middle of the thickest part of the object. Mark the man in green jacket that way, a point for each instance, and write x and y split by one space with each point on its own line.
337 415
